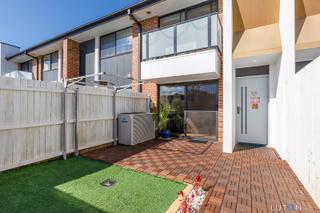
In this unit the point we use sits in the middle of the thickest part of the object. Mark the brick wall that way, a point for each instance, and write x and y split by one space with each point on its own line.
220 110
34 69
150 88
220 92
40 65
71 59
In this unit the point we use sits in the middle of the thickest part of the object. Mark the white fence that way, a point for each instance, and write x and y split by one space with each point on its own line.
32 119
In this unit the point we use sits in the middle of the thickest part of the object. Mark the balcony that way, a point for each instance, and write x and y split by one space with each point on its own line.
186 51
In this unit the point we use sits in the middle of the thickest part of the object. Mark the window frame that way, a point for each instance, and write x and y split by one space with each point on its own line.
50 62
115 43
29 65
186 85
183 12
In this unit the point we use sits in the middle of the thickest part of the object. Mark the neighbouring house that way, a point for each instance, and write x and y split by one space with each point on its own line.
5 65
250 69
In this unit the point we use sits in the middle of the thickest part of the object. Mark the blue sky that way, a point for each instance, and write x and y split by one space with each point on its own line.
28 22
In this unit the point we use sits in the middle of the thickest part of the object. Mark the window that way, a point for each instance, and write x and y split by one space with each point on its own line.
172 19
27 66
108 46
124 41
50 61
202 96
46 62
199 96
54 61
198 11
189 13
116 43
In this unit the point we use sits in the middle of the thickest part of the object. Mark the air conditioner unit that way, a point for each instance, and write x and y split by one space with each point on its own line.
135 128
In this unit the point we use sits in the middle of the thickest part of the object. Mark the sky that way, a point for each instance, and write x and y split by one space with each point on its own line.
25 23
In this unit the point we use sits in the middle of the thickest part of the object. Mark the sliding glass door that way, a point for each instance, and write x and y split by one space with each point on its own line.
174 95
198 99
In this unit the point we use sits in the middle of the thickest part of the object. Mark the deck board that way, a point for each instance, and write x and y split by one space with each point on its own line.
249 180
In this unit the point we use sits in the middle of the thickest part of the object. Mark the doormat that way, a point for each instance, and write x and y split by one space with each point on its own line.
199 140
253 145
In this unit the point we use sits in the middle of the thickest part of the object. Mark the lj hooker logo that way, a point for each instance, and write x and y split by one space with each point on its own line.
286 207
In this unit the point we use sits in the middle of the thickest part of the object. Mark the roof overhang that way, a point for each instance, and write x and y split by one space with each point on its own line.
108 24
20 58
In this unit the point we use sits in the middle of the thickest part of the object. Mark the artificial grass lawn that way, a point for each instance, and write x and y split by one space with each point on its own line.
74 186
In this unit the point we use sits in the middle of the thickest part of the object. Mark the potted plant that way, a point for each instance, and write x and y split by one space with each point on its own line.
163 118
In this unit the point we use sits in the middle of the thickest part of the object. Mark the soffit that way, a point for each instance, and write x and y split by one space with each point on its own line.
257 41
312 7
255 13
306 35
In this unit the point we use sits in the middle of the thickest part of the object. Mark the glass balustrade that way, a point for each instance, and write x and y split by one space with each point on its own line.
191 35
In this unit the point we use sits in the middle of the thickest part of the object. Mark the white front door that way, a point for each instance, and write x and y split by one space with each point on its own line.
252 109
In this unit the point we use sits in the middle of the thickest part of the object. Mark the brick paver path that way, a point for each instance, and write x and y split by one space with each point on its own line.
249 180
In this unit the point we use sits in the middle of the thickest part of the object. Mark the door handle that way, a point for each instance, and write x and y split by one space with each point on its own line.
238 110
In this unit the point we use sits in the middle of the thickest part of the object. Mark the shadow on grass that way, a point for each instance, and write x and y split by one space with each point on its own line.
32 189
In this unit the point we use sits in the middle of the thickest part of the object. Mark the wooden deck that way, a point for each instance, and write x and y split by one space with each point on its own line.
249 180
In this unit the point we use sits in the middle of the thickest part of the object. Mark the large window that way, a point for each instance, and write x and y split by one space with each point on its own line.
50 61
200 96
188 13
116 43
26 66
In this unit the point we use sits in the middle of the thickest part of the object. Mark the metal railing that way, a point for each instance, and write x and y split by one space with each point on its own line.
200 33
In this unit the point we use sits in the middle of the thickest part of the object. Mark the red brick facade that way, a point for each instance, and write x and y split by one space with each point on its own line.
35 69
220 109
149 88
40 65
71 59
220 92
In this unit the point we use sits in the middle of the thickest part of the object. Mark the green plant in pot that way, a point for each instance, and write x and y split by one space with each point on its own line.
163 119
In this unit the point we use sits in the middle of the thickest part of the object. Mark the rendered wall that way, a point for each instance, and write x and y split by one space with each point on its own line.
295 122
294 115
7 50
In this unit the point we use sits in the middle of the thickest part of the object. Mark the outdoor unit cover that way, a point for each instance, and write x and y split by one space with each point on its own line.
135 128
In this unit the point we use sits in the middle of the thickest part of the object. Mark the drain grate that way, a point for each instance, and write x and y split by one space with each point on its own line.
108 183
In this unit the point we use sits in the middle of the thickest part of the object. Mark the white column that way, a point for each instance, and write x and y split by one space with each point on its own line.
284 117
60 64
96 57
228 80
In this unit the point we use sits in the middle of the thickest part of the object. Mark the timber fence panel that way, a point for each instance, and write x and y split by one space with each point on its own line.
32 118
94 112
30 123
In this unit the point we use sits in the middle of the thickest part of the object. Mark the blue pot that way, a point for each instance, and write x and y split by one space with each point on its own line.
165 133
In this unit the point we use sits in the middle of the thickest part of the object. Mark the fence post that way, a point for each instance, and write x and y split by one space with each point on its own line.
114 126
65 124
76 144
